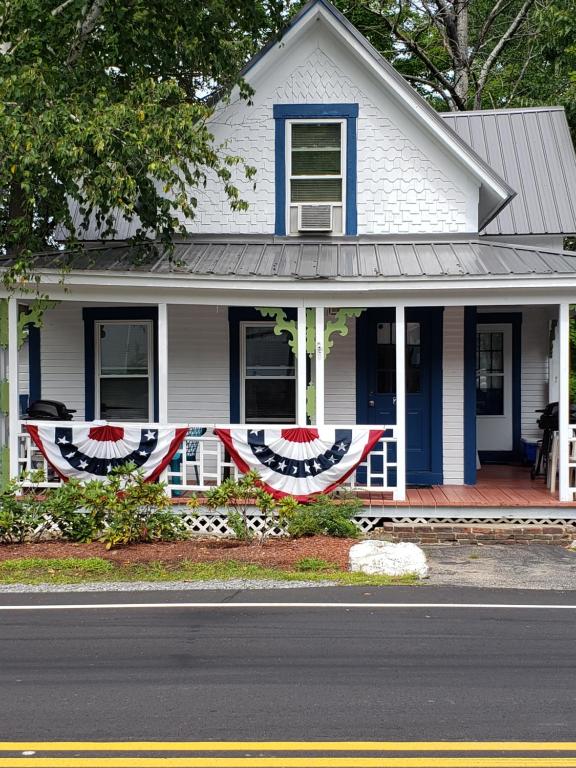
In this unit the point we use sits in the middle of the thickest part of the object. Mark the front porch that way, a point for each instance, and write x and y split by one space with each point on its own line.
198 365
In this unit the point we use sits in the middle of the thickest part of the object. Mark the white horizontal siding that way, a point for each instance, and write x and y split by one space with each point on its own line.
198 364
340 379
535 349
23 370
62 356
453 396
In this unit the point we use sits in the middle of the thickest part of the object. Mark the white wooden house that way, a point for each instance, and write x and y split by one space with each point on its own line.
433 242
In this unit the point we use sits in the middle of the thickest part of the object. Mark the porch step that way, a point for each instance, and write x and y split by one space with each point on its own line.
462 533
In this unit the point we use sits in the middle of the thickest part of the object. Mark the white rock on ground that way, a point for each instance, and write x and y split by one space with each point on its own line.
388 559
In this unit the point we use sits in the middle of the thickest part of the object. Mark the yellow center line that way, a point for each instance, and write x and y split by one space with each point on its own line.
288 746
290 762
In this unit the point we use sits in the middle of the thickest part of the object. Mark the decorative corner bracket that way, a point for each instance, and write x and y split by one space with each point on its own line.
339 325
282 324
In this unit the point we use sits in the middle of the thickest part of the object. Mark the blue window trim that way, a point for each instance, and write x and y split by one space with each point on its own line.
515 318
283 112
435 317
470 316
237 315
34 369
90 316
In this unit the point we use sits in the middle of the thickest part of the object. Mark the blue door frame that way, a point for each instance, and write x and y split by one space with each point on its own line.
423 408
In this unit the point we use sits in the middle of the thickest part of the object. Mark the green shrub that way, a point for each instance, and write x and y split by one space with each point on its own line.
131 510
236 497
65 505
22 511
330 515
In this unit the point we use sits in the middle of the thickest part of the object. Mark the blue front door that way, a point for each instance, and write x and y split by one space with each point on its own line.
377 390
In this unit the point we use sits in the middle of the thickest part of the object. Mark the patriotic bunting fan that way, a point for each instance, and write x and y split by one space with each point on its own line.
91 451
300 461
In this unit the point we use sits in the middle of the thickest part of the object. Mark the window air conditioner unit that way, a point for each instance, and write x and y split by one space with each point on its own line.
315 217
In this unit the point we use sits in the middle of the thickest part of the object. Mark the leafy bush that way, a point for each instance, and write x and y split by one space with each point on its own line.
330 515
236 497
65 506
22 511
120 509
131 510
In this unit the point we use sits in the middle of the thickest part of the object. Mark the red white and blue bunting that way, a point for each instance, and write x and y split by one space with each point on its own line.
90 451
300 461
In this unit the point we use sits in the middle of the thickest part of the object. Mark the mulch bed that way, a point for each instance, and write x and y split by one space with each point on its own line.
277 553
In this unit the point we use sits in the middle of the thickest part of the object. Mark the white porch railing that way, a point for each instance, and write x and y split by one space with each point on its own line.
202 462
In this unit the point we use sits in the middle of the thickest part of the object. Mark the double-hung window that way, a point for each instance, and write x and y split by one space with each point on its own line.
316 175
124 370
268 375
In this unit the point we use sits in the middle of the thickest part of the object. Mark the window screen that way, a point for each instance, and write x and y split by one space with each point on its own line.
316 163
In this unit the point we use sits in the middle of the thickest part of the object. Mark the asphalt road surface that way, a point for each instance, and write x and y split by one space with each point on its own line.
337 665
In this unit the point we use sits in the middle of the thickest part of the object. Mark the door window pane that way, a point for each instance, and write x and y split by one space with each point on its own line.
490 373
269 376
386 358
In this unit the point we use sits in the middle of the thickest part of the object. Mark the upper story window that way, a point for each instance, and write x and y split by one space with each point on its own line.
316 169
317 151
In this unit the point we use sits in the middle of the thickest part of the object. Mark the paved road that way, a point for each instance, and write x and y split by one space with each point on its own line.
231 670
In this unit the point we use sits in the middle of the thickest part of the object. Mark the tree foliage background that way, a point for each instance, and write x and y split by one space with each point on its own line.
477 54
98 97
105 103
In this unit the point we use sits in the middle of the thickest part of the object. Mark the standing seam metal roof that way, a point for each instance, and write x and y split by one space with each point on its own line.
330 259
532 149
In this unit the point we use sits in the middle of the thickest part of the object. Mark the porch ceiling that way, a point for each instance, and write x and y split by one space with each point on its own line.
363 259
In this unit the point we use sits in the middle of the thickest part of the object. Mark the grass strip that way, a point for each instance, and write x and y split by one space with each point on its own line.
74 570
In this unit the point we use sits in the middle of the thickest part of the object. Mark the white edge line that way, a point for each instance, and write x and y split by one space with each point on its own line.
225 606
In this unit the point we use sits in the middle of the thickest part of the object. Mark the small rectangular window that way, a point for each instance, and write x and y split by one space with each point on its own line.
316 162
489 373
123 370
269 376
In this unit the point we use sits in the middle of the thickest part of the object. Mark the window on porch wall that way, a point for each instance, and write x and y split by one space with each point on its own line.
268 373
123 370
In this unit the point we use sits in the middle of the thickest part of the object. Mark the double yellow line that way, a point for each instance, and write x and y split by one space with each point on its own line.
280 754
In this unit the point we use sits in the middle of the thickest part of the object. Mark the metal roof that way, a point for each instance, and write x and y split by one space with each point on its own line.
532 149
298 259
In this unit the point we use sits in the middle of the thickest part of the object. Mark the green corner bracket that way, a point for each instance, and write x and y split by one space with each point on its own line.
339 325
282 324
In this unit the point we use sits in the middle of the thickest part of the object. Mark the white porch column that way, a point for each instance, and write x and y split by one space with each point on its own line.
13 397
301 368
320 359
400 491
564 402
163 363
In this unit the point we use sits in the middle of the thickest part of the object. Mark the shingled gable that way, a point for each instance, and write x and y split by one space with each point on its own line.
495 193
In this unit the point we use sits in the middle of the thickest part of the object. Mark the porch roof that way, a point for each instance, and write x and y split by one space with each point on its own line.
363 259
